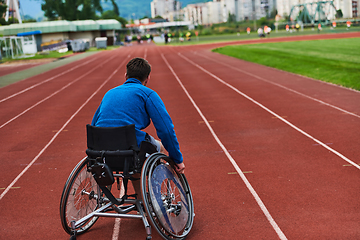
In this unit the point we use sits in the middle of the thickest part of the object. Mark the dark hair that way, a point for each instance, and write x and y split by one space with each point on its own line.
138 68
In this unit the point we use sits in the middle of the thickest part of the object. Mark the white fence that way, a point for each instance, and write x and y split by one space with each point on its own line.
17 47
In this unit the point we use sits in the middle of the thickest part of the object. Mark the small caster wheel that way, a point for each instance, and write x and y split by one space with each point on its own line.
73 235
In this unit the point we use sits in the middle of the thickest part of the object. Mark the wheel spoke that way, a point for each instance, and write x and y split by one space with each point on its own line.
172 216
80 197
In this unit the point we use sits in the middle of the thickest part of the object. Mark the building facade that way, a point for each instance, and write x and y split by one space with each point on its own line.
218 11
164 7
349 8
65 30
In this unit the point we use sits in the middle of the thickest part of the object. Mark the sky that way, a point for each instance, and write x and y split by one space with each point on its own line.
31 7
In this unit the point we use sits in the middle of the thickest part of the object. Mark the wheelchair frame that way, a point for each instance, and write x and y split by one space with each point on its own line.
166 199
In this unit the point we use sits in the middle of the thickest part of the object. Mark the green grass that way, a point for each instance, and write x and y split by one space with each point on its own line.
253 35
54 54
336 60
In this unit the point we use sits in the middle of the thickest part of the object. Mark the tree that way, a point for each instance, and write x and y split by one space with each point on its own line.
339 13
72 9
115 8
30 20
3 8
110 14
122 21
273 13
231 18
286 17
51 9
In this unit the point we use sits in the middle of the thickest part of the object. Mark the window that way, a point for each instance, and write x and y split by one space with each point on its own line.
354 8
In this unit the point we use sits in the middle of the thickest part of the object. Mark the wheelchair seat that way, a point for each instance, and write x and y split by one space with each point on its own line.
113 153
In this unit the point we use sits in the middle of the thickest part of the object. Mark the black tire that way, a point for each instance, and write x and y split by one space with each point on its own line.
79 198
167 197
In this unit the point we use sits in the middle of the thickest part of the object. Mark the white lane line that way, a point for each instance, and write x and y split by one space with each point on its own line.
54 93
116 230
145 55
279 85
47 80
58 132
271 112
239 171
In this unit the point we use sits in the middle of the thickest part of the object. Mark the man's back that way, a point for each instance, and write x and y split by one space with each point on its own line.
124 105
133 103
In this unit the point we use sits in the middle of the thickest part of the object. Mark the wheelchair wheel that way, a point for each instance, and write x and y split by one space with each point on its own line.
79 198
167 197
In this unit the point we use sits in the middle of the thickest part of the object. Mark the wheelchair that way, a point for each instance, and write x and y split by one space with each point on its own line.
113 156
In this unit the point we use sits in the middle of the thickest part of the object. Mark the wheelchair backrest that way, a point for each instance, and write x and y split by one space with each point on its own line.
113 145
111 138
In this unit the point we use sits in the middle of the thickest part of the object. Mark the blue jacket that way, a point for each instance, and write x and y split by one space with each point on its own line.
133 103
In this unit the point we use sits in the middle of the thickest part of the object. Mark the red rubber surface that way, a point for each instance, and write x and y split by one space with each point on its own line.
309 191
11 68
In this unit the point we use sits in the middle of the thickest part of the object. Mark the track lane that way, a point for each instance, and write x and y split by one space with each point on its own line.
202 84
47 82
25 101
52 93
6 69
231 159
196 148
25 85
303 86
323 96
36 122
205 164
300 108
47 163
338 213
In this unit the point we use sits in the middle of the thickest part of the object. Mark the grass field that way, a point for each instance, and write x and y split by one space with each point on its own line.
336 61
53 54
254 35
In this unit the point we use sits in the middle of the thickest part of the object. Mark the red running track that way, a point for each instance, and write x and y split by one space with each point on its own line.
11 68
269 154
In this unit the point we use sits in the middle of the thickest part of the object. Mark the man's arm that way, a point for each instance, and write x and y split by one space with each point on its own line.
164 126
96 116
179 167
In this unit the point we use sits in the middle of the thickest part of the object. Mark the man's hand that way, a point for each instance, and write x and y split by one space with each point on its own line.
180 167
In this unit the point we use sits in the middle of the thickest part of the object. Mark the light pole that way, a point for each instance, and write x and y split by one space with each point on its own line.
16 6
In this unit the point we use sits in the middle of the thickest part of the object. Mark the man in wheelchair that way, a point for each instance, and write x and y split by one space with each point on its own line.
134 103
116 150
